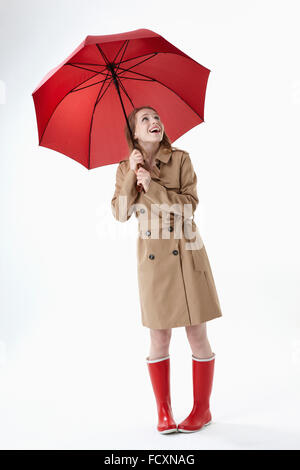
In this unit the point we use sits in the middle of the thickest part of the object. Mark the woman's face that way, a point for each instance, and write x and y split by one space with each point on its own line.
146 120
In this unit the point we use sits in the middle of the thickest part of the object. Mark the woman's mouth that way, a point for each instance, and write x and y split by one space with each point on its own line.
155 130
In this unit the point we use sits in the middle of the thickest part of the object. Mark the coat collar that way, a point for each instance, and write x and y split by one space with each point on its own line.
163 154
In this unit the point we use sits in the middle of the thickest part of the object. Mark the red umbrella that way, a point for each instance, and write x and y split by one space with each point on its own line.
81 105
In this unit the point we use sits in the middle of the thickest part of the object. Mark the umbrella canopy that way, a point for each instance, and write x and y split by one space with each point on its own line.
82 105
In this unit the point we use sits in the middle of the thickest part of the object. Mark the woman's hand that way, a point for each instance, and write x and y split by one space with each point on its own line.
143 178
135 158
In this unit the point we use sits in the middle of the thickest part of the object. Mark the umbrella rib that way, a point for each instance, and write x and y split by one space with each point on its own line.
84 68
92 118
138 79
105 58
123 88
135 65
123 77
59 104
102 54
98 99
161 83
143 55
92 84
114 61
84 63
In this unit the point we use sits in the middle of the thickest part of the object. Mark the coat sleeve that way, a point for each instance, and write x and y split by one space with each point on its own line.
158 194
122 203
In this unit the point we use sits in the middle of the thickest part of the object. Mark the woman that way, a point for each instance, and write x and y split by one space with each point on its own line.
176 285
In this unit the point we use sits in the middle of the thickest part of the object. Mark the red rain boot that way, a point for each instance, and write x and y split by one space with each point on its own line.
203 371
159 370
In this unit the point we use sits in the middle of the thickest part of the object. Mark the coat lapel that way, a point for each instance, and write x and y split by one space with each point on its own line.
163 155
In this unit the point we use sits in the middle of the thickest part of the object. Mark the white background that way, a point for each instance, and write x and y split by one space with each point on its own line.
72 346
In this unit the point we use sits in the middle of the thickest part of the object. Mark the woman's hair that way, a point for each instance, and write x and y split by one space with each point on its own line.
165 142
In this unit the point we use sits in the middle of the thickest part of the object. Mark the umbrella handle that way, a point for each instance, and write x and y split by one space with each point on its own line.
139 187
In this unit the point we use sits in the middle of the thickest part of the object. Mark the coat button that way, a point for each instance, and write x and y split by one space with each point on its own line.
170 229
175 252
148 233
151 256
142 211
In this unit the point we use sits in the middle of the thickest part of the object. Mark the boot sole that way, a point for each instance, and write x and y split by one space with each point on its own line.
193 430
168 431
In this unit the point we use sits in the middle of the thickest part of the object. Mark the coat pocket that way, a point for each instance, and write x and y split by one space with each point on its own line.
198 260
195 244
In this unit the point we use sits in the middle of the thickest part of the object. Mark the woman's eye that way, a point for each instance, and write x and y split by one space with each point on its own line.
147 118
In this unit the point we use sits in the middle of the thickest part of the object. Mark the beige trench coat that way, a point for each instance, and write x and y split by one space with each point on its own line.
175 281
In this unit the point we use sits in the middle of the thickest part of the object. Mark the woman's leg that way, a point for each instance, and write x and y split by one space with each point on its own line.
159 369
203 370
160 342
197 337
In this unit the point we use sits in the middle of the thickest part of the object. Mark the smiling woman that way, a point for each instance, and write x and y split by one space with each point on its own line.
175 280
142 121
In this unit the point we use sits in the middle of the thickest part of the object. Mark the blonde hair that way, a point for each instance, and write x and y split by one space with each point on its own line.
165 142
